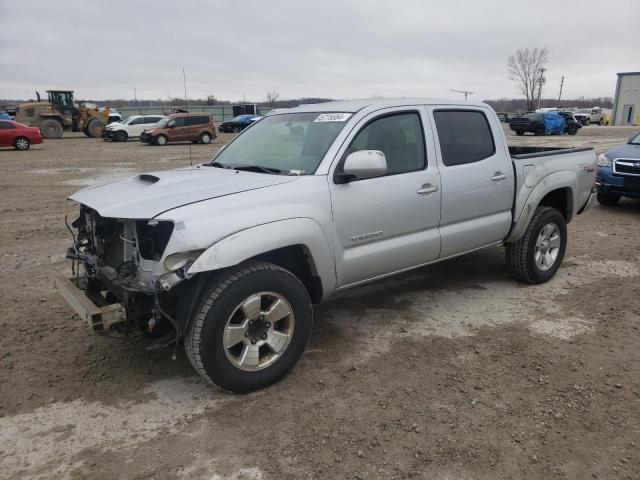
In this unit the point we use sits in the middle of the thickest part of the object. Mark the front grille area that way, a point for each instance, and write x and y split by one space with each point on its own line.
627 167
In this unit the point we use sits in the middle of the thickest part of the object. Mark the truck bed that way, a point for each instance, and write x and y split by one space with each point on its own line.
522 152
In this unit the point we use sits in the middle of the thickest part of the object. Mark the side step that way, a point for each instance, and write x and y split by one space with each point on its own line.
98 318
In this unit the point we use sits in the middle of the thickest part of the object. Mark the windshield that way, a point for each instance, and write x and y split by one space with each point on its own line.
125 121
289 143
163 122
584 110
635 140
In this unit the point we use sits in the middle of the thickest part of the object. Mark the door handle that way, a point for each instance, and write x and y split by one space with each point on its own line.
426 189
498 176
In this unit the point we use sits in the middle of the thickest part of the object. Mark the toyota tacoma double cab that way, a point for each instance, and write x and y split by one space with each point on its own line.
228 257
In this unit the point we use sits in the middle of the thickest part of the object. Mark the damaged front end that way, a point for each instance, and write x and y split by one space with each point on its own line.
118 266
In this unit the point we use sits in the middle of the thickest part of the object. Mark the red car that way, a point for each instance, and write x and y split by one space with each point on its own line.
21 137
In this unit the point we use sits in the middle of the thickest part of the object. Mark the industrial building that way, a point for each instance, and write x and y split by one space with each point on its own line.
626 103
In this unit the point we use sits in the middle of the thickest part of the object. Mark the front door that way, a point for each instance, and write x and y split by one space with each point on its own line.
180 130
390 223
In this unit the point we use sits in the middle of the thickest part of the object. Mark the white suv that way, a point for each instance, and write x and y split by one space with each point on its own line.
131 127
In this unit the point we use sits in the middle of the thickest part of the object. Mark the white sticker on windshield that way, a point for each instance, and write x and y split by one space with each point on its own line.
333 117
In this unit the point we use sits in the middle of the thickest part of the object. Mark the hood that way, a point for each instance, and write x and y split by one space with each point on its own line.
114 124
624 151
147 195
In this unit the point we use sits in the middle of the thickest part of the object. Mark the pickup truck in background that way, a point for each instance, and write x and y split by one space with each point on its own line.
227 258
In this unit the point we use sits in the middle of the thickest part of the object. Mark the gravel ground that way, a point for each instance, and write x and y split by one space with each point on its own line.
448 372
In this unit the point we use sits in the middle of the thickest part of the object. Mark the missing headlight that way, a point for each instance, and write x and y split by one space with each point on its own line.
153 238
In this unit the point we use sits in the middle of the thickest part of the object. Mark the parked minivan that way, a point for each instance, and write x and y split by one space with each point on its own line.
181 127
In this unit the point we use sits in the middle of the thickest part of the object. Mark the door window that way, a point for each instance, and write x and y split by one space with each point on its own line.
5 126
178 122
399 137
465 136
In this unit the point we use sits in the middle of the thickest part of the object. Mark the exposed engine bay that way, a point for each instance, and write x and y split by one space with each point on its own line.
117 261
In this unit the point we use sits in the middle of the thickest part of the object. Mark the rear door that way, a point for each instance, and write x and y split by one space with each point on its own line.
477 178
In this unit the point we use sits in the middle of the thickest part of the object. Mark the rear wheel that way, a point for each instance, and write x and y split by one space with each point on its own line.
21 143
609 199
250 328
586 122
161 140
601 122
51 129
519 132
94 128
205 138
536 257
122 136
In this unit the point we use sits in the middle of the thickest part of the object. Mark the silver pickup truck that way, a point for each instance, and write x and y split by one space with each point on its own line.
228 257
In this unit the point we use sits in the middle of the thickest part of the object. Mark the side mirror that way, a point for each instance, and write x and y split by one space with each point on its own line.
364 164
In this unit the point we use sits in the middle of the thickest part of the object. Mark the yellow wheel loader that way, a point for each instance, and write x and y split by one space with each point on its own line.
61 113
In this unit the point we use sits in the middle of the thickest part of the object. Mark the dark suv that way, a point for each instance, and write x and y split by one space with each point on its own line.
180 127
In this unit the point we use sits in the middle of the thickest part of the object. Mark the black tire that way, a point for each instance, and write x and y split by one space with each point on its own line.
601 122
572 130
122 136
160 140
608 199
586 122
21 143
94 128
539 130
205 138
519 132
204 337
521 254
51 129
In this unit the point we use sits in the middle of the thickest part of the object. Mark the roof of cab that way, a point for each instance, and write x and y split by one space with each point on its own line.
357 105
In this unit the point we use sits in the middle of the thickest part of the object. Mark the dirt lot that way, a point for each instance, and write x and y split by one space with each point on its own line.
449 372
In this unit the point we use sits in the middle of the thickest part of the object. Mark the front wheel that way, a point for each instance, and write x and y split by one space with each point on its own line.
587 122
519 132
539 130
573 129
608 199
205 138
536 257
122 136
161 140
21 143
250 328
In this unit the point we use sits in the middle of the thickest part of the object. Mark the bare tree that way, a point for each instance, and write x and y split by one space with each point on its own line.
272 98
525 67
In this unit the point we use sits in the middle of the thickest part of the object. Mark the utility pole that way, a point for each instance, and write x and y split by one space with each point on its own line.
540 85
561 84
135 99
466 92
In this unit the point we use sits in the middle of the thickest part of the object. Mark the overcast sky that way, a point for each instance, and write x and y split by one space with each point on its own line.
337 49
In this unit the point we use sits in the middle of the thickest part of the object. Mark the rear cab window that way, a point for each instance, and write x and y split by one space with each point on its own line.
465 136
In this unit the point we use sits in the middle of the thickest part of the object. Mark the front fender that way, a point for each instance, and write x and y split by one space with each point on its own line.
245 244
555 181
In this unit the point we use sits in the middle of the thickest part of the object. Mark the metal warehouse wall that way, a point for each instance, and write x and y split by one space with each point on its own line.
220 113
627 93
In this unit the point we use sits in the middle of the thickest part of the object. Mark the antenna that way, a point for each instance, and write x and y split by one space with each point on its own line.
186 107
466 92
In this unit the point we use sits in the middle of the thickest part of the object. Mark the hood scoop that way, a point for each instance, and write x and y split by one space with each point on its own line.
145 179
